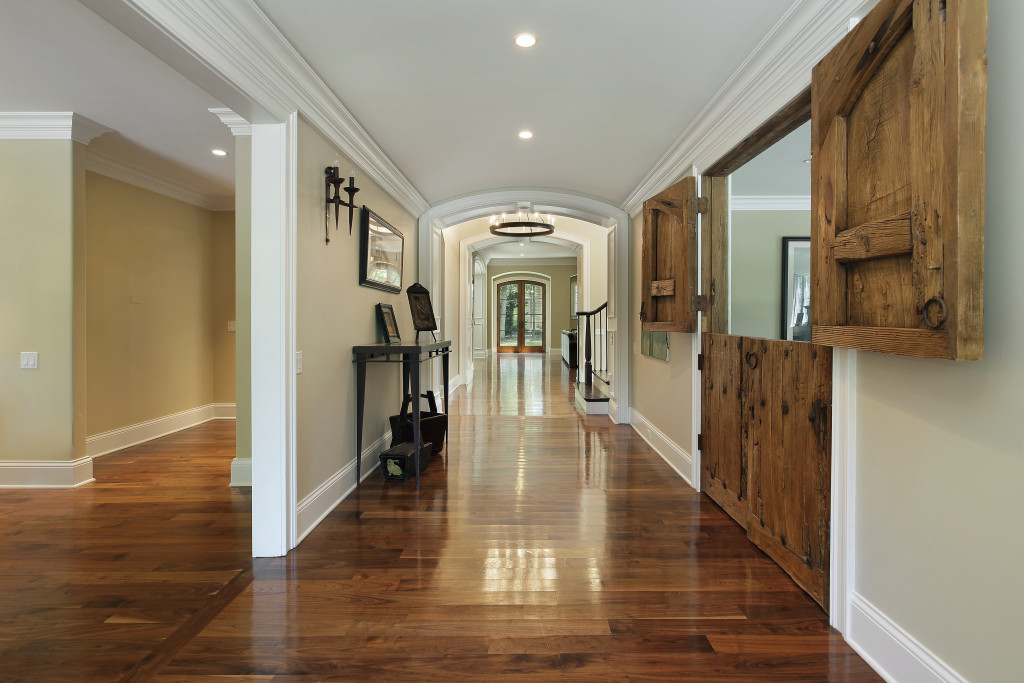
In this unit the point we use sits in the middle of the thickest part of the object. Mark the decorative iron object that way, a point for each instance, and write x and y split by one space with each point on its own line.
422 311
528 224
333 181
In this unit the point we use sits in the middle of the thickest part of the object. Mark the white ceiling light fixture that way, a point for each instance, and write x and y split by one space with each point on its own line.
522 224
526 134
526 40
219 152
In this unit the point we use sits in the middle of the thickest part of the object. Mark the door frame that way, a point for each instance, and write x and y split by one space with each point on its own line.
493 298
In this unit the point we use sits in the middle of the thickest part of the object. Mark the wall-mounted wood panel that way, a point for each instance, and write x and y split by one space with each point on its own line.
898 178
669 259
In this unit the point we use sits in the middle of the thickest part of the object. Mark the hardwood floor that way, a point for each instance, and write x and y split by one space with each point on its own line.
542 545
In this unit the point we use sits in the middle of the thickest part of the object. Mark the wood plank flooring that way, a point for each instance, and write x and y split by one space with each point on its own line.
542 545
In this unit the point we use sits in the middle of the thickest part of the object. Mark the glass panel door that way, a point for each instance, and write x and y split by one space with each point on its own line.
520 316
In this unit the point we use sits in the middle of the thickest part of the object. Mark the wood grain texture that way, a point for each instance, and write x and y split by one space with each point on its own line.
715 253
874 239
910 83
723 464
541 545
669 254
794 114
910 342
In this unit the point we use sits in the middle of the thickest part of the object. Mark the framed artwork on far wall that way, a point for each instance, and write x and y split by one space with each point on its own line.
380 253
388 323
795 319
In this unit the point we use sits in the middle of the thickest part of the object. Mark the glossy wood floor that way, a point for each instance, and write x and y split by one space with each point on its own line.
542 545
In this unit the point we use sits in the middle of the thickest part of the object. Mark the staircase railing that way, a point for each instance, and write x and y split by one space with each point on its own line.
592 335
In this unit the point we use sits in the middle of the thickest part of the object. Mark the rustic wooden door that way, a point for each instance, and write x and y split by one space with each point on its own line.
898 182
668 265
766 447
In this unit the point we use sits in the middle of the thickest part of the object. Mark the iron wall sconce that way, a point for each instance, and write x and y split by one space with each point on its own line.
333 180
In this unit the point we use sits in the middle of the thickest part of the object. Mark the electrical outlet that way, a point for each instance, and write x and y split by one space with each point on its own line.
231 326
30 360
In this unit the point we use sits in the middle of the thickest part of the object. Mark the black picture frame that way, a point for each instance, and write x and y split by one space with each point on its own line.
388 323
381 247
423 319
795 282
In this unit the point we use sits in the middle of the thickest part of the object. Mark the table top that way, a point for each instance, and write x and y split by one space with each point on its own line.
401 348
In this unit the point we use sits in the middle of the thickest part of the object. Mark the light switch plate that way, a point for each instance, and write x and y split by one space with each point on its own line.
30 360
298 362
231 326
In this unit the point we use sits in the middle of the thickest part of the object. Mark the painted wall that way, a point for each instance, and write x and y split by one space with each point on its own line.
756 259
561 309
243 296
37 223
156 324
452 324
333 314
940 445
661 391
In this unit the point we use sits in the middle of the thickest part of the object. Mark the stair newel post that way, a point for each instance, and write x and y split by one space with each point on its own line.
588 368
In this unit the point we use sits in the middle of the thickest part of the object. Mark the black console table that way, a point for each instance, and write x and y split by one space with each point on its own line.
410 356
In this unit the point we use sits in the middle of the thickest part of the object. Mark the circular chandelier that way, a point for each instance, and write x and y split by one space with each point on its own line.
528 224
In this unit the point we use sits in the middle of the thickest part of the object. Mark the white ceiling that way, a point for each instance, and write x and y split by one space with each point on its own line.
438 85
528 249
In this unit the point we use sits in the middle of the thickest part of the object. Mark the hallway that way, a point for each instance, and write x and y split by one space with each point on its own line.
542 545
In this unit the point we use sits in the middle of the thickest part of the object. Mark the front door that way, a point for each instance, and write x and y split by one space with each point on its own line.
520 312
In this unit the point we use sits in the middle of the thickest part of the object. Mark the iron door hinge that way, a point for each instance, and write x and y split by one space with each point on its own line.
700 362
700 442
702 204
700 302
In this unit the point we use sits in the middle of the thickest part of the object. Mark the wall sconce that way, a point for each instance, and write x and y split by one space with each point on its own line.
333 180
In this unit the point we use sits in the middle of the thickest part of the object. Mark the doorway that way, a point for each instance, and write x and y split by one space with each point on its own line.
520 316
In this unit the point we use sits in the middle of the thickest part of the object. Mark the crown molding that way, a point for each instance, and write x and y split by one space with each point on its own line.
777 70
239 44
483 204
110 167
235 123
50 125
770 203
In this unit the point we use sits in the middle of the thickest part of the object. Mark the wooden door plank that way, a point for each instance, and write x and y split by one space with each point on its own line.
828 200
875 239
723 468
905 342
715 253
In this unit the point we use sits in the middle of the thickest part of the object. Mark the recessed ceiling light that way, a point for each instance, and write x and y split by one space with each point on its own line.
525 134
219 152
526 40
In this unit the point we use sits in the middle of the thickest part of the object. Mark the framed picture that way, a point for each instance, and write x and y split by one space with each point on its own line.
380 253
422 312
796 289
388 323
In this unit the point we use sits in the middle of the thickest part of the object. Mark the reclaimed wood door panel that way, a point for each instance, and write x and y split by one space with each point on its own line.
669 259
723 467
897 182
787 390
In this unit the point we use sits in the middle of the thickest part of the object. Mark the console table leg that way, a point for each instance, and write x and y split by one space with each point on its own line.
414 373
360 399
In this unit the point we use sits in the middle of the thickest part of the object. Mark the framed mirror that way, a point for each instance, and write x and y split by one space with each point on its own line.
381 247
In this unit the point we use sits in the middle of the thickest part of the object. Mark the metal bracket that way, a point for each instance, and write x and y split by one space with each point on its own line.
700 302
702 204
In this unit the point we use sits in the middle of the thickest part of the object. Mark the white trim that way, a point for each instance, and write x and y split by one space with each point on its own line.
114 440
776 71
315 507
502 278
273 292
770 203
241 472
46 474
842 549
234 51
235 123
590 407
895 654
106 165
677 458
50 125
570 261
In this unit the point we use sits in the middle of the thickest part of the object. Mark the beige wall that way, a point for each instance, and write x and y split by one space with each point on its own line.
223 294
334 313
155 319
447 305
756 268
661 391
561 311
243 294
36 301
940 444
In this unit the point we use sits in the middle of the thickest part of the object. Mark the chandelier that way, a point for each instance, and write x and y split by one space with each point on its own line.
522 224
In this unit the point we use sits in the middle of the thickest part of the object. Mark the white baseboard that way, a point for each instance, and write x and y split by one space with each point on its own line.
46 474
591 407
676 457
241 472
116 439
316 506
896 655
